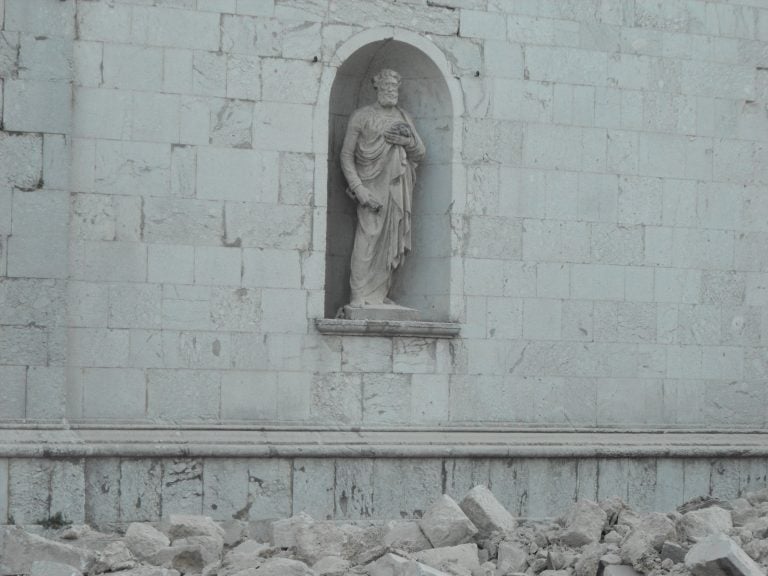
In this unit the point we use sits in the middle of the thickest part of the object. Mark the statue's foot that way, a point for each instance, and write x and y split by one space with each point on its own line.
357 303
390 302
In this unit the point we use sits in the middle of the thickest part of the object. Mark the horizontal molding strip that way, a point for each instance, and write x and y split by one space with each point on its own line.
145 441
408 328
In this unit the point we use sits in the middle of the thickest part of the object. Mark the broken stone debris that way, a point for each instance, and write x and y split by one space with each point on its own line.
477 537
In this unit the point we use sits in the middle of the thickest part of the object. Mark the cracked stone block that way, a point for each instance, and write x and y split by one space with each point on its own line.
718 555
698 524
583 524
445 524
144 540
486 513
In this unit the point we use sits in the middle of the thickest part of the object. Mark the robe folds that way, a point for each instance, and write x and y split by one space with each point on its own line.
388 171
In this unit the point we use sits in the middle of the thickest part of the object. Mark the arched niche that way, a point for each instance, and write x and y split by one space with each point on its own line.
424 281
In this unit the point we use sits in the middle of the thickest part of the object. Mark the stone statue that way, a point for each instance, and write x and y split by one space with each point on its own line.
379 158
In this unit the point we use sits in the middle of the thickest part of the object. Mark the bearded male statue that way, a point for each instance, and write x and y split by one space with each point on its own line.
379 158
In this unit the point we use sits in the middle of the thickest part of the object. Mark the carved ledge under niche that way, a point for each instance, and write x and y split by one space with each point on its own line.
411 328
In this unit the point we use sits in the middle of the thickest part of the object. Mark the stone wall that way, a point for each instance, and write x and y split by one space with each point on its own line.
597 222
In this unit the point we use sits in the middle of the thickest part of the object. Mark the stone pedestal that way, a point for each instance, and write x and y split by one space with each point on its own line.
380 312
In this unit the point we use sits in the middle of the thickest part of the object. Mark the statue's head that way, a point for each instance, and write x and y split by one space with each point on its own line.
386 83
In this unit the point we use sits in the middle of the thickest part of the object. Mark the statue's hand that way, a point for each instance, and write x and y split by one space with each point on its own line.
367 199
394 137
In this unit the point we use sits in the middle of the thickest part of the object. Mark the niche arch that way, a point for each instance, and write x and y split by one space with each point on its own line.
432 96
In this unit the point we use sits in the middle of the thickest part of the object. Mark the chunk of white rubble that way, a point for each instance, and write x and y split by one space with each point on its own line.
394 565
144 540
318 539
656 526
184 557
637 549
620 570
449 558
184 526
331 566
249 554
284 567
116 556
445 524
405 535
698 524
283 531
554 573
46 568
512 557
757 496
743 512
486 513
19 549
583 524
145 570
235 531
718 555
673 551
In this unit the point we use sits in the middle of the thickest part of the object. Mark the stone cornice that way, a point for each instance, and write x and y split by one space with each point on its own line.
409 328
151 441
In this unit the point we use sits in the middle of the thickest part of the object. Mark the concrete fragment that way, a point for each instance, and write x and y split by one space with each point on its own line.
284 567
613 507
331 566
512 557
451 558
116 556
699 503
144 540
589 562
318 539
583 524
554 573
235 531
610 558
405 535
620 570
249 554
698 524
283 531
743 512
757 550
718 555
46 568
393 565
637 549
445 524
486 512
655 525
757 496
19 549
488 569
183 526
145 570
758 527
213 546
673 551
183 557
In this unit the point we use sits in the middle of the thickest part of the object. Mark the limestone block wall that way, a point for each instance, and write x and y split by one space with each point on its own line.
594 217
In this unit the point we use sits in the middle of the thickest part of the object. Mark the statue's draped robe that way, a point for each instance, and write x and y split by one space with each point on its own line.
388 171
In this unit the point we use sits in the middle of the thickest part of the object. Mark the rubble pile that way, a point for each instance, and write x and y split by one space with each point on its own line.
474 537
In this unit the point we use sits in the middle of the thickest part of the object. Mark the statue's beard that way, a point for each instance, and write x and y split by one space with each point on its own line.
388 100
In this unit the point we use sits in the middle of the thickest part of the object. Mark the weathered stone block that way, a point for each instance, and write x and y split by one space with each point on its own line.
583 524
445 524
698 524
485 512
718 555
